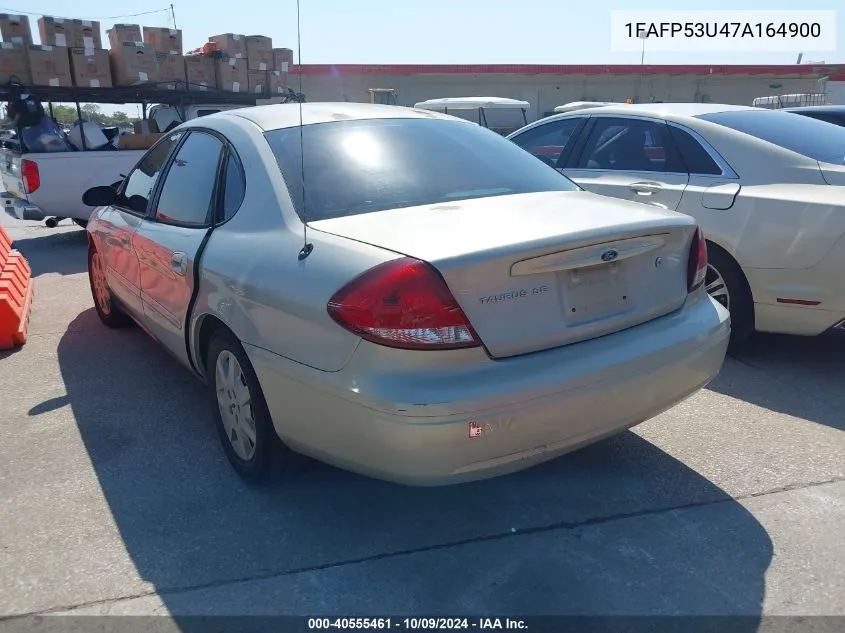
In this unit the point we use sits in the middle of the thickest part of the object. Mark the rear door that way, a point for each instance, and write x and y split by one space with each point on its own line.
713 185
631 158
169 240
116 225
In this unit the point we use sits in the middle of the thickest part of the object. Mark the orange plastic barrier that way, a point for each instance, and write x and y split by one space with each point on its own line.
16 290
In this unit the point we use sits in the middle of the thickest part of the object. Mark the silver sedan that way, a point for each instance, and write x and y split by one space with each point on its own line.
399 292
765 186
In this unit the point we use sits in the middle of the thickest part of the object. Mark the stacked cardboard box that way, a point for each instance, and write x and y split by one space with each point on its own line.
258 81
259 52
231 44
200 72
170 63
90 68
164 40
15 29
278 82
120 33
49 65
14 57
132 60
282 59
72 53
170 71
231 62
138 141
133 63
69 33
14 63
231 74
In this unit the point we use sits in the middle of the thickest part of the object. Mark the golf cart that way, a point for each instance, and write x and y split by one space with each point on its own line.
501 115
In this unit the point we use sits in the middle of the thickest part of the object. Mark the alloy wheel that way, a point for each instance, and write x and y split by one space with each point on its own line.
716 286
235 403
102 295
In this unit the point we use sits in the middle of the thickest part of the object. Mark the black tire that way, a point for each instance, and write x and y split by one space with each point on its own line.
80 223
741 302
110 314
270 455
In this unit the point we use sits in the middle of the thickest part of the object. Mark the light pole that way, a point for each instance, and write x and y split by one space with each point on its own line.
643 36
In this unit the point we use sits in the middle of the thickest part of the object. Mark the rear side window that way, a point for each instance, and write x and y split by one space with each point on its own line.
142 180
548 141
800 134
825 116
189 185
235 187
361 166
695 157
625 144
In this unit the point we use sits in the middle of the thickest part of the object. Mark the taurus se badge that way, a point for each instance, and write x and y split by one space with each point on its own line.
609 256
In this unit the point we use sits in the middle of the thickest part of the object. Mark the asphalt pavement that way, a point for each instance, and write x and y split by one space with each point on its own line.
117 499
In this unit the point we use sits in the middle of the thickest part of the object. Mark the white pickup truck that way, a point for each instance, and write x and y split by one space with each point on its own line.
49 185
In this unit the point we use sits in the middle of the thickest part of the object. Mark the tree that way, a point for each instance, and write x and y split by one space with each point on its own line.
64 115
91 112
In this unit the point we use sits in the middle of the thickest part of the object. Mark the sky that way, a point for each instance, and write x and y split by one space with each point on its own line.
429 32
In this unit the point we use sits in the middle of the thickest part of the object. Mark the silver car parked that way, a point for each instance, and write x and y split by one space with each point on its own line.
399 292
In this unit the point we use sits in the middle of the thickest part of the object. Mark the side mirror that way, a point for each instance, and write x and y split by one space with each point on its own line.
99 197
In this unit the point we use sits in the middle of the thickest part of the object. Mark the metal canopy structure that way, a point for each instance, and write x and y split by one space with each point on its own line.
145 94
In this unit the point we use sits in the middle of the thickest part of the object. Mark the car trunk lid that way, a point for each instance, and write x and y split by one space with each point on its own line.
541 270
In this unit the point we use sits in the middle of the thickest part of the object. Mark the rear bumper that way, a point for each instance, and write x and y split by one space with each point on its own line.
797 320
414 427
824 282
20 209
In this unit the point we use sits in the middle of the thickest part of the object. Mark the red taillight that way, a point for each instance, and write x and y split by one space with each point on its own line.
31 177
697 266
403 303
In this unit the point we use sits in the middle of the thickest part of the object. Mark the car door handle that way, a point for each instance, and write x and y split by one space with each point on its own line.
177 263
645 188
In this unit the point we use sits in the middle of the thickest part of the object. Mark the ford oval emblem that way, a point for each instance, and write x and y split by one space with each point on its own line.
609 256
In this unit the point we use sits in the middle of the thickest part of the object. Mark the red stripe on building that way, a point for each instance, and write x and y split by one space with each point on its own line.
831 71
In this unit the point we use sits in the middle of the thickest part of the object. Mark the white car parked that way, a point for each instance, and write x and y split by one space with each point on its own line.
767 188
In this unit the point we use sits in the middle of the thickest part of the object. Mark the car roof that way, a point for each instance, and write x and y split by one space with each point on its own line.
581 105
473 102
671 111
286 115
832 109
667 110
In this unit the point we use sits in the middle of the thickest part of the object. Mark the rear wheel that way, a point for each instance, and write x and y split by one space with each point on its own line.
107 309
726 283
241 416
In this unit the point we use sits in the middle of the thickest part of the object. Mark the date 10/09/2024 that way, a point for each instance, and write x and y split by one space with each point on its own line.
416 623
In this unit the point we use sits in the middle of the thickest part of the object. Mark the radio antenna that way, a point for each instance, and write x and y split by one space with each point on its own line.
306 246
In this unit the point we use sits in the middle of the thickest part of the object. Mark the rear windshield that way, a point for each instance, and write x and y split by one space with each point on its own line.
800 134
361 166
